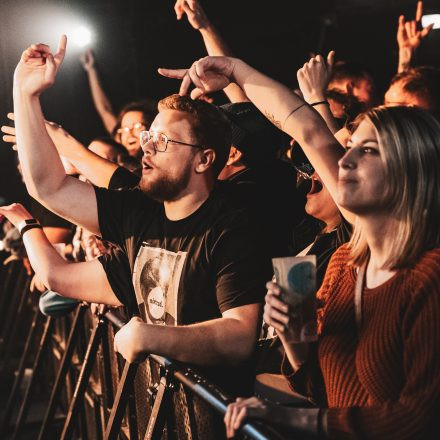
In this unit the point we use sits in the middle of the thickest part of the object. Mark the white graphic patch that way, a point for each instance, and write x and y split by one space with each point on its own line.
156 278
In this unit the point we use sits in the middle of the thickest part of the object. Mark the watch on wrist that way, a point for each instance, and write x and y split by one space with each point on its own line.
27 224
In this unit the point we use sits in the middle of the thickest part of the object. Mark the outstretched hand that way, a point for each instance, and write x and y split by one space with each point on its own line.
87 60
208 74
314 76
410 33
37 68
194 11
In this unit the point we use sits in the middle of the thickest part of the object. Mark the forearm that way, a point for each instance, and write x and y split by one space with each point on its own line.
95 168
296 353
84 281
405 58
287 111
324 110
216 46
216 342
44 259
35 148
101 101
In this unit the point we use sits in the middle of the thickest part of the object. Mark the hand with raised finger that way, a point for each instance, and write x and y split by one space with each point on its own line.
87 60
37 68
314 76
127 340
410 33
208 74
196 15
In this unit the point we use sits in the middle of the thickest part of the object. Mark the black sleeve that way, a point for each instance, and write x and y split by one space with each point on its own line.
117 270
121 214
242 264
123 178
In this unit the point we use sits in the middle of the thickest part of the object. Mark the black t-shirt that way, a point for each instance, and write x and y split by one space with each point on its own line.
190 270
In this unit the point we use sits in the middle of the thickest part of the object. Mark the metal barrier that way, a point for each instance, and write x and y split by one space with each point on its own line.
160 399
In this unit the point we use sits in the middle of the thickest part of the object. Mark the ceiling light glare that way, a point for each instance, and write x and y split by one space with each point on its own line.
81 36
429 19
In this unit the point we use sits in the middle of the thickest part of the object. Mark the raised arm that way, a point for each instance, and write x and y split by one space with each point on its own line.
93 167
214 43
84 281
281 106
409 37
100 99
313 79
43 171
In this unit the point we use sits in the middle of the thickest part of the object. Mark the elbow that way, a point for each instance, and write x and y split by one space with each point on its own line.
243 349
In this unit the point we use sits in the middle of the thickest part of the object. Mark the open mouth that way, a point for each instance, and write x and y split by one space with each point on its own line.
316 187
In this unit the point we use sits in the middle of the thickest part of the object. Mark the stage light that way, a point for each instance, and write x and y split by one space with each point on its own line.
81 36
429 19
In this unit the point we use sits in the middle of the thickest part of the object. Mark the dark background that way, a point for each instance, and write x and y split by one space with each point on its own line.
134 37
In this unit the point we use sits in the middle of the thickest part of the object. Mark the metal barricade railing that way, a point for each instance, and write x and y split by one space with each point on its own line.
160 399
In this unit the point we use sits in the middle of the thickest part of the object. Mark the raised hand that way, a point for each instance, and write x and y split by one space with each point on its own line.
314 76
208 74
410 33
241 409
38 68
87 60
194 11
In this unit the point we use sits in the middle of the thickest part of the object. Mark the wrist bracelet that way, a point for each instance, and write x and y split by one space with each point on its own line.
27 224
27 227
319 102
291 113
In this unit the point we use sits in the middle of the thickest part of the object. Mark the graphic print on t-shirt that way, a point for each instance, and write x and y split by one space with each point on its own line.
156 278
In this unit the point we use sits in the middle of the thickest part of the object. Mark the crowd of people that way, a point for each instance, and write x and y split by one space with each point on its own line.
179 211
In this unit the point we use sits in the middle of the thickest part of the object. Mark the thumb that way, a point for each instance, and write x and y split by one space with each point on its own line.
51 66
330 62
426 30
197 93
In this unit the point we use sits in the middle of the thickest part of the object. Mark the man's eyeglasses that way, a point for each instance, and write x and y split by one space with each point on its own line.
135 129
160 140
305 171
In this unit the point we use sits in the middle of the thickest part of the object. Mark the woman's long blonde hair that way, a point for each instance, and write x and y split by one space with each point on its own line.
409 144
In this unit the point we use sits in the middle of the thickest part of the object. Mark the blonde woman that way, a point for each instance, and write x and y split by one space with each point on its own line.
375 369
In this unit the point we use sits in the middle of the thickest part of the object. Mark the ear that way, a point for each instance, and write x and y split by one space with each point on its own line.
234 156
206 159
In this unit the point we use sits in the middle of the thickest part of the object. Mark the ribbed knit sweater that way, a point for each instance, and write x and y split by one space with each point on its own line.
385 382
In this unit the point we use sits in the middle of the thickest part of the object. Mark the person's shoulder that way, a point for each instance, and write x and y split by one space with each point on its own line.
426 273
341 255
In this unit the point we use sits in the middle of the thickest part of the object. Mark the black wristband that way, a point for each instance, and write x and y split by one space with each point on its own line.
27 227
319 102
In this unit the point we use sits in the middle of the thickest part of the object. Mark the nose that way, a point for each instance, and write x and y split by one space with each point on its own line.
348 160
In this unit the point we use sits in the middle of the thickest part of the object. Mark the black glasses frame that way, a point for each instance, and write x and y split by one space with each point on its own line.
150 135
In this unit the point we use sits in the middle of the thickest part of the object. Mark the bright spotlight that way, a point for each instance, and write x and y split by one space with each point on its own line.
429 19
81 36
